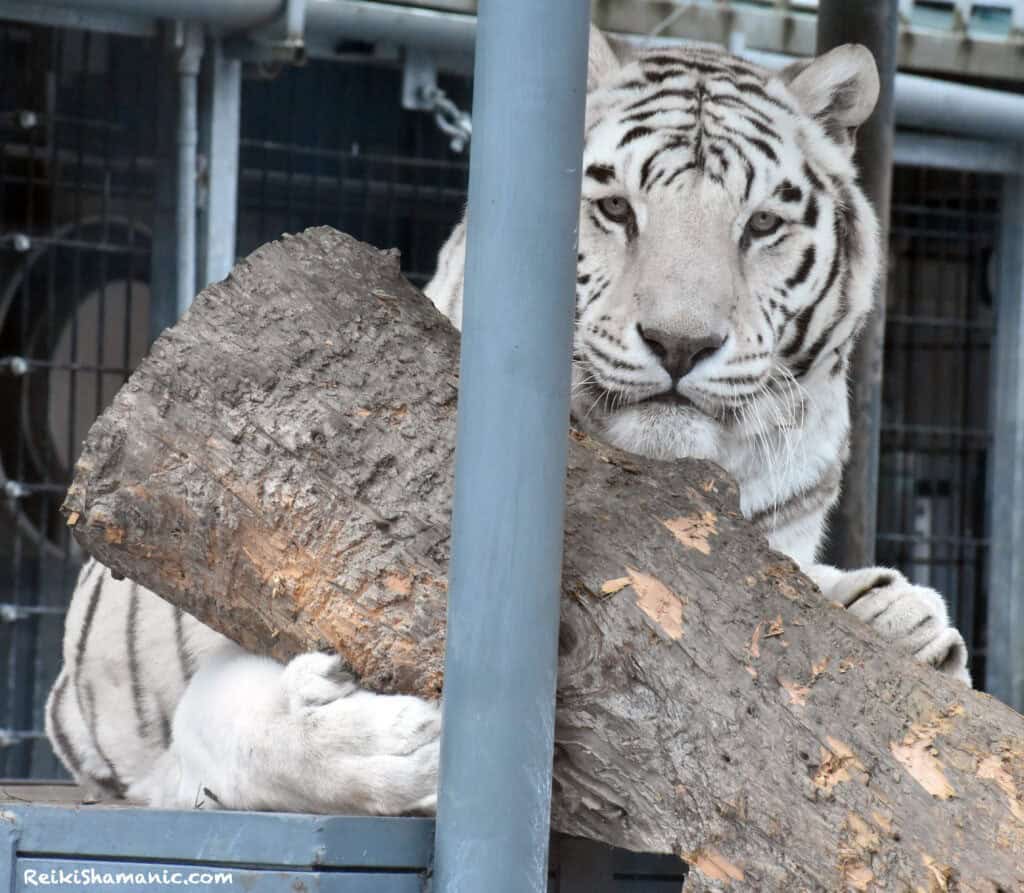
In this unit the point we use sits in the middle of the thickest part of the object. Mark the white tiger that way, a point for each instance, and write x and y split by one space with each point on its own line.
727 259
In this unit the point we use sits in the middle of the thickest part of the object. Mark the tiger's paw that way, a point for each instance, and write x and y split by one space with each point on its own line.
378 752
914 617
251 734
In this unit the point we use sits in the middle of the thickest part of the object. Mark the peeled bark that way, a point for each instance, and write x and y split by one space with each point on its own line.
280 466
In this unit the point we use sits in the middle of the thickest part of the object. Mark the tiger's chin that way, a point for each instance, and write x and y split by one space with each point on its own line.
657 428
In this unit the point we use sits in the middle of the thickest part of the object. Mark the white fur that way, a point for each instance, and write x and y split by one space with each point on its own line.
320 743
247 732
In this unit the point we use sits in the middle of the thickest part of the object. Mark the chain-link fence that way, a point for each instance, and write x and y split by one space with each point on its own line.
329 143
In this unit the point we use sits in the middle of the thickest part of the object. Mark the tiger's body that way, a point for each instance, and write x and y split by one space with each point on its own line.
727 260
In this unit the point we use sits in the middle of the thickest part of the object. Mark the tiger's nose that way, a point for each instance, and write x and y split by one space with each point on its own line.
679 354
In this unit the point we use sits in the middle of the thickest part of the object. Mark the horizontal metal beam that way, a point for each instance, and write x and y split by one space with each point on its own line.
921 103
443 33
942 106
913 149
158 835
86 19
929 104
227 15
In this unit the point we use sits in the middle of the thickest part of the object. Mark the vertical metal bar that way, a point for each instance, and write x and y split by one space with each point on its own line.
163 270
962 14
219 133
1004 665
295 26
173 266
501 662
874 23
190 55
9 835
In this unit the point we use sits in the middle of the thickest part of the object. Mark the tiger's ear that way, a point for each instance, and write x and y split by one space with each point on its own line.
602 62
839 89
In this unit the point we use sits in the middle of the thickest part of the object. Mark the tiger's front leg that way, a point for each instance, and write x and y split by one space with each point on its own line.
913 617
250 733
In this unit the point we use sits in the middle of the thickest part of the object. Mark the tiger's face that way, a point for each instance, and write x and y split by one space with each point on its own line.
727 256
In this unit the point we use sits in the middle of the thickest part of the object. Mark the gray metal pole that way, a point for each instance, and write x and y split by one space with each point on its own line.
874 23
190 56
163 273
229 14
1004 662
220 115
501 662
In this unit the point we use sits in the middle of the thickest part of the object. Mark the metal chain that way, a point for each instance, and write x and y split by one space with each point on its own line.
449 118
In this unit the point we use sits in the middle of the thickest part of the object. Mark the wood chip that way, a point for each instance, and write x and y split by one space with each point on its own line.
610 587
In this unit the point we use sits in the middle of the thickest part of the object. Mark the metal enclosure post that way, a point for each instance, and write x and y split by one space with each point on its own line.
1004 664
219 130
190 55
501 662
163 269
874 23
173 263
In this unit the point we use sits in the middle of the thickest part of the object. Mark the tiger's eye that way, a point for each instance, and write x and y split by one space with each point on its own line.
763 222
615 208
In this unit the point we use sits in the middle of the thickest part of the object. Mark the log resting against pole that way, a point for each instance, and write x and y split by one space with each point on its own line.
853 522
280 466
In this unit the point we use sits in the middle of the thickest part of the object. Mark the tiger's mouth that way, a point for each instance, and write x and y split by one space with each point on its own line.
613 400
668 398
593 399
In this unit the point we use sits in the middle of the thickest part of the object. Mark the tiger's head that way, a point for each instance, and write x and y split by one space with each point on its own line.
727 256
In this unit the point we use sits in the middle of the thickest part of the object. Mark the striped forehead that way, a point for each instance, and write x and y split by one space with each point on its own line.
671 113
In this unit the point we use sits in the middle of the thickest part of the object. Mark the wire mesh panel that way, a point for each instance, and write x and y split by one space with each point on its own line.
79 164
330 144
936 431
76 175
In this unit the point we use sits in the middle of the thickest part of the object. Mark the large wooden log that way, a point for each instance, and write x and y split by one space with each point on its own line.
280 467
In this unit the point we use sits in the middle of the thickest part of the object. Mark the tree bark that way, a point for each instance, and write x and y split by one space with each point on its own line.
280 466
